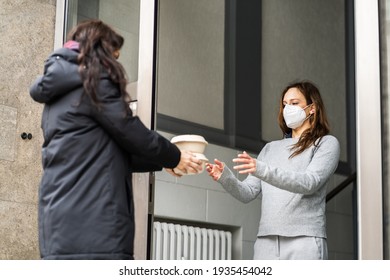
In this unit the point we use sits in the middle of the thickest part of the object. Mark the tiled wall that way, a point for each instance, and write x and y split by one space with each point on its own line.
27 32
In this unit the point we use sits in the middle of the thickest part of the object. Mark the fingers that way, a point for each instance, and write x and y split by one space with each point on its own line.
244 157
242 160
246 164
215 175
215 170
194 166
189 163
245 169
219 163
172 172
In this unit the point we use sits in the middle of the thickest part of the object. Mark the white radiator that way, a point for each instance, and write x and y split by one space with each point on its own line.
180 242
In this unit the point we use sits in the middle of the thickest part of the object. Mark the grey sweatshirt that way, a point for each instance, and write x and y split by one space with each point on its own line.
293 189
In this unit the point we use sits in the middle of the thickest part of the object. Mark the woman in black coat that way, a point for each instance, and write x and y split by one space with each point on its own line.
92 144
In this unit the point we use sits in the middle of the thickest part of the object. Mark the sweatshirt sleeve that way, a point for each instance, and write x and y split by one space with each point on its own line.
245 191
323 164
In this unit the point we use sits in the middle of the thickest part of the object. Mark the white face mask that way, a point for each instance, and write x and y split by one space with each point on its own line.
294 115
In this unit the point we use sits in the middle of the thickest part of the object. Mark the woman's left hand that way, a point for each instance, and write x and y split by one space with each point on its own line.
245 163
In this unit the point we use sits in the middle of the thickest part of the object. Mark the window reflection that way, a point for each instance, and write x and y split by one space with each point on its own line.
123 16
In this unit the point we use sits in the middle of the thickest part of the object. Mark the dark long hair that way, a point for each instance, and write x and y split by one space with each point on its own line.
97 44
319 125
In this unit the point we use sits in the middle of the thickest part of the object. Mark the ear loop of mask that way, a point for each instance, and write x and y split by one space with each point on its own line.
308 117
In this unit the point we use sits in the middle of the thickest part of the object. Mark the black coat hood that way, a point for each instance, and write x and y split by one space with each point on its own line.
59 82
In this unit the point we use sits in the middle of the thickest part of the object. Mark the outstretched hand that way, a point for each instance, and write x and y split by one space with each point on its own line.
245 164
215 170
189 163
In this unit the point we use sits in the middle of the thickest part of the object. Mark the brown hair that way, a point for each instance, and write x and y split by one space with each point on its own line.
98 42
319 125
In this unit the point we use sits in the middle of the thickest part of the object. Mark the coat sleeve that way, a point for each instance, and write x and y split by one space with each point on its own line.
140 164
130 133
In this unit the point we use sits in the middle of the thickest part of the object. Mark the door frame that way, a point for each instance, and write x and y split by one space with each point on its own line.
368 131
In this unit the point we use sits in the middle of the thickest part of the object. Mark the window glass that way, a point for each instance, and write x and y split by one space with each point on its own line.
190 67
123 16
221 67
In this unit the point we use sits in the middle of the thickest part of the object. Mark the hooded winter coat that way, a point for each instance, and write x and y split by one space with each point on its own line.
88 156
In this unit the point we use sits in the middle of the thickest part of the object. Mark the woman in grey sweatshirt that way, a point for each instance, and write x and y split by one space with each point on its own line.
291 174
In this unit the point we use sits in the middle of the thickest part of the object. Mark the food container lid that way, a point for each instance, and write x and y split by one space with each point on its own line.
188 138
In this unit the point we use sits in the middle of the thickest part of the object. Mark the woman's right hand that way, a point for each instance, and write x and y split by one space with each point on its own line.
189 163
215 170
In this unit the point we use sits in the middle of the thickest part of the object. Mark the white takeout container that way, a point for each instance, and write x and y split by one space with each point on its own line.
190 142
193 143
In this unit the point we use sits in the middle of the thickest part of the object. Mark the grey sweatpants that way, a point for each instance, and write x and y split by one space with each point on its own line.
276 247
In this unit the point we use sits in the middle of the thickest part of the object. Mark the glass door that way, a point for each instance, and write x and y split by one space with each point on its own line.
221 66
